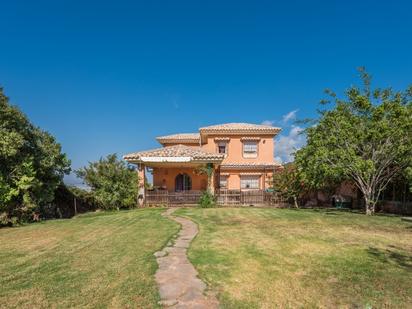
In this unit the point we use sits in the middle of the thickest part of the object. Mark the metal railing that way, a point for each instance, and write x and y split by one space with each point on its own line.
172 198
223 198
248 197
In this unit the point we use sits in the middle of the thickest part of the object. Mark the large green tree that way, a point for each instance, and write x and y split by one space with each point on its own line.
365 137
114 184
32 165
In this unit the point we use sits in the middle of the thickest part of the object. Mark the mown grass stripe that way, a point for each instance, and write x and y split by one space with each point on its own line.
99 260
289 258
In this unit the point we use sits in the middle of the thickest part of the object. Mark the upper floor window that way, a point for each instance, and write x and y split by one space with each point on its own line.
222 147
250 149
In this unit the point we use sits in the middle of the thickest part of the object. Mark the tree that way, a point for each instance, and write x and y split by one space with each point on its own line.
288 182
32 165
408 176
207 199
113 182
207 170
366 138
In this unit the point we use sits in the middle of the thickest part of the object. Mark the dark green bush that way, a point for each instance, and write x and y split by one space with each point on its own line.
32 166
207 200
113 183
69 201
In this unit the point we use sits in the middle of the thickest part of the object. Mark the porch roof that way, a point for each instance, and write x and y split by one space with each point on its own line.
176 153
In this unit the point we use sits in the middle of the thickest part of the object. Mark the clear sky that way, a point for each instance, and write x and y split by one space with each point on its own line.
110 76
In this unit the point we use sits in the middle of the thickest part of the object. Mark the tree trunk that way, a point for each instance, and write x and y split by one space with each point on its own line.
295 200
369 205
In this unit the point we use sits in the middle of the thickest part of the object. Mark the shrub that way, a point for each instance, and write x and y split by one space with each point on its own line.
67 202
32 166
207 200
112 181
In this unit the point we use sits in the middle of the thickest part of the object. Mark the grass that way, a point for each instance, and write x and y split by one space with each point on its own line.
252 258
270 258
100 260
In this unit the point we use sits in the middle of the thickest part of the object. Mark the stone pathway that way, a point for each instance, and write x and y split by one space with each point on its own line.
179 286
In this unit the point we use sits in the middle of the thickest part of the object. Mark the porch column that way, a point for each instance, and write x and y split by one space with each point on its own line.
264 179
212 181
141 184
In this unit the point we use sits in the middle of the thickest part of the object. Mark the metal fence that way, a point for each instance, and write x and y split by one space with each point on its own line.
223 198
249 197
172 198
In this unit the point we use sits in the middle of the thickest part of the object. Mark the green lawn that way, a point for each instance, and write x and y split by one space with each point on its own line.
252 258
269 258
102 260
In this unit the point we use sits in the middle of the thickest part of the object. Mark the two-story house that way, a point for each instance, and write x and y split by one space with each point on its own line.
242 156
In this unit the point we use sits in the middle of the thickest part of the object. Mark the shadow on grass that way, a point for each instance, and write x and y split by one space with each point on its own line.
339 211
391 256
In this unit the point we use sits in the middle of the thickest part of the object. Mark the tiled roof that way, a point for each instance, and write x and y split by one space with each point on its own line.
250 138
182 137
249 165
171 153
220 129
243 127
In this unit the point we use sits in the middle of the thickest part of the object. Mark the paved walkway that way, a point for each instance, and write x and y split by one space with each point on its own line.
176 277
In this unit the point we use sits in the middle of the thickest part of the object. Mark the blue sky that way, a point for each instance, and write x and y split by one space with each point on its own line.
108 77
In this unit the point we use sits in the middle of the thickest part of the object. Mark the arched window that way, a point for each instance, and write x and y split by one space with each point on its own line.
183 182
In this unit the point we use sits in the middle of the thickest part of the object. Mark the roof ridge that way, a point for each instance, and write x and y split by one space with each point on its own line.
175 134
184 137
239 126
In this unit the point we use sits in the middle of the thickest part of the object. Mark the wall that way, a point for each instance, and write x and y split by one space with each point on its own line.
234 178
167 176
235 149
199 182
234 154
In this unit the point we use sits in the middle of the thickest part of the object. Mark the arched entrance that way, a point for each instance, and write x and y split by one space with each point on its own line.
183 182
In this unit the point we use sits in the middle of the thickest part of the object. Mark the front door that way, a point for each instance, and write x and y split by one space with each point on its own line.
183 182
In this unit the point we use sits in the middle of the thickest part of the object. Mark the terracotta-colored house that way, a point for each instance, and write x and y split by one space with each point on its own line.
242 156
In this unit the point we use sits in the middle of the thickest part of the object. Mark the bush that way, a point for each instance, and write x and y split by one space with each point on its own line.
207 200
63 205
112 182
32 166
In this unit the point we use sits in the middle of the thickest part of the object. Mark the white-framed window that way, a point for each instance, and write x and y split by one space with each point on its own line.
223 182
250 182
250 149
222 147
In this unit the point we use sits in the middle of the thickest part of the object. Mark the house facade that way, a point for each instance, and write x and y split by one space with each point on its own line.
240 156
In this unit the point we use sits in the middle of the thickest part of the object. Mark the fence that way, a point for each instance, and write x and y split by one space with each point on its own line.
395 207
172 198
223 198
249 197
